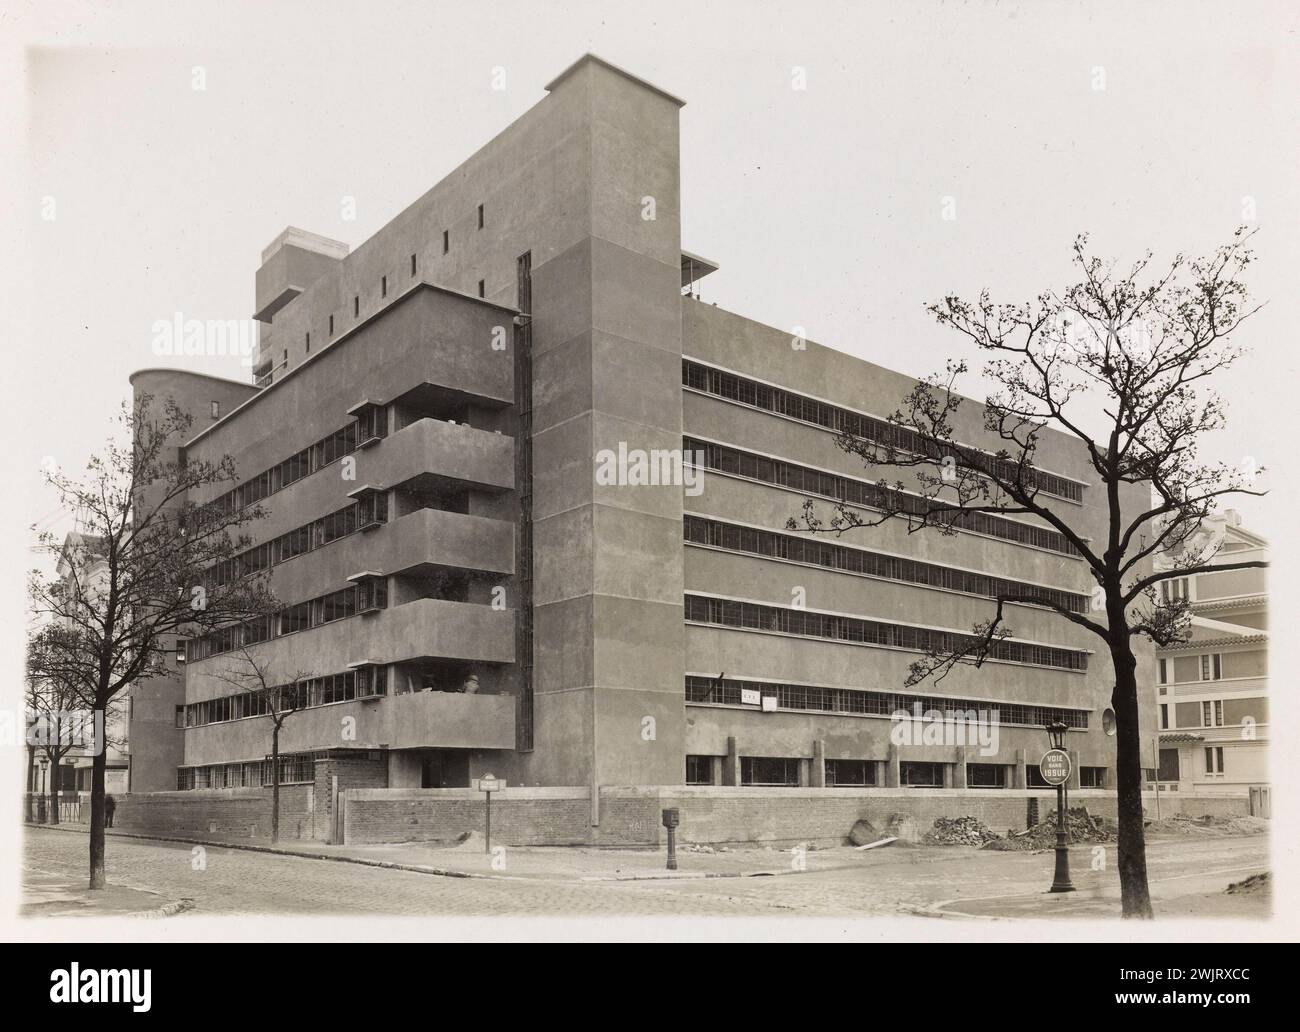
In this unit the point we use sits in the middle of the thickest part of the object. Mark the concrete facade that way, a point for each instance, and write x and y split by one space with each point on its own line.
509 332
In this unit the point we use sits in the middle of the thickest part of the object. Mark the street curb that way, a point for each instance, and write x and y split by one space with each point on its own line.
393 865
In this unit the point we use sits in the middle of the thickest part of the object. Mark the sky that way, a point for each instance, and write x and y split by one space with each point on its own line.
1154 126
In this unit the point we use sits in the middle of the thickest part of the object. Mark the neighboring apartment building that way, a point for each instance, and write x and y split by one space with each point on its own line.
480 575
1212 690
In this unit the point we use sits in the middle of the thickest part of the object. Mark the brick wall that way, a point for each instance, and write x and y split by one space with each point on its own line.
217 813
520 816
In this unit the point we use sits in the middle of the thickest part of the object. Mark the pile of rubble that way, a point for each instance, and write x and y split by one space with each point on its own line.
959 831
1082 827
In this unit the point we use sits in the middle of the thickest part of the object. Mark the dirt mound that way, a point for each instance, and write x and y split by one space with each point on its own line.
1256 884
959 831
1208 826
1082 826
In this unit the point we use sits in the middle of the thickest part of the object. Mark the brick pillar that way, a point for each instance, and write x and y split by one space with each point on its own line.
1019 779
731 763
818 772
959 769
891 768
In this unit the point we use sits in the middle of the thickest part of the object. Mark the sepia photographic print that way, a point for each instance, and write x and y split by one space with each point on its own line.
717 472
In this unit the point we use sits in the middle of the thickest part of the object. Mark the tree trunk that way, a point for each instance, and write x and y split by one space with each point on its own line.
1135 897
275 785
54 792
99 763
31 783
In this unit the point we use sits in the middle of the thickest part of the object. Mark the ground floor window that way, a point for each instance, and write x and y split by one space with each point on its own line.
986 775
914 774
1034 777
1214 760
699 770
769 770
1092 777
850 773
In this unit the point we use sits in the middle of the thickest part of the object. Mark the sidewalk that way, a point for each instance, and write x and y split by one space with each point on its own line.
47 894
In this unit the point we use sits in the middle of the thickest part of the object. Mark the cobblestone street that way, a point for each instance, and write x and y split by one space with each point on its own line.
1188 878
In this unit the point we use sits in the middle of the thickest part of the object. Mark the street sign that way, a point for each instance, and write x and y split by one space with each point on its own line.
1055 766
489 783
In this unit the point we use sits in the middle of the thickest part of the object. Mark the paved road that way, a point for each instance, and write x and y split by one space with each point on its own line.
885 881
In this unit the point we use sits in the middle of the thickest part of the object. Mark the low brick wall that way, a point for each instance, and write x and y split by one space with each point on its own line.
709 814
215 813
628 816
520 816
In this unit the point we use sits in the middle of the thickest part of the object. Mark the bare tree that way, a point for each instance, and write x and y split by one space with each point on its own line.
278 701
1128 354
150 564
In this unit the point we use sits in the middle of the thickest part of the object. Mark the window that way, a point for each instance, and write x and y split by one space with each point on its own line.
859 702
1214 761
699 530
216 410
831 417
1034 777
914 774
769 771
383 286
752 616
482 288
480 216
446 241
412 265
1212 667
699 770
850 773
868 494
372 593
309 343
356 305
180 716
372 423
986 775
1164 716
1164 671
331 325
1212 713
1174 590
372 509
1092 777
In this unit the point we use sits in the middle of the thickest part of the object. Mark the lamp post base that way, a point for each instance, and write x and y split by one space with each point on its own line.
1061 878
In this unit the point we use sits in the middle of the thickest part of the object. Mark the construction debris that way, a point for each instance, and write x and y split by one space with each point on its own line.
889 841
959 831
1208 826
1082 826
863 832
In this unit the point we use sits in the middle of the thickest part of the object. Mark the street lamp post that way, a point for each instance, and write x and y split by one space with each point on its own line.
41 801
1055 769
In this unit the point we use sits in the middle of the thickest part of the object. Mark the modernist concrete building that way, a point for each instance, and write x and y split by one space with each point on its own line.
479 573
1212 690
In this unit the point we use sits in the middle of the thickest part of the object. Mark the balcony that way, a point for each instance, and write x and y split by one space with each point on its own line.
431 627
420 720
476 458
